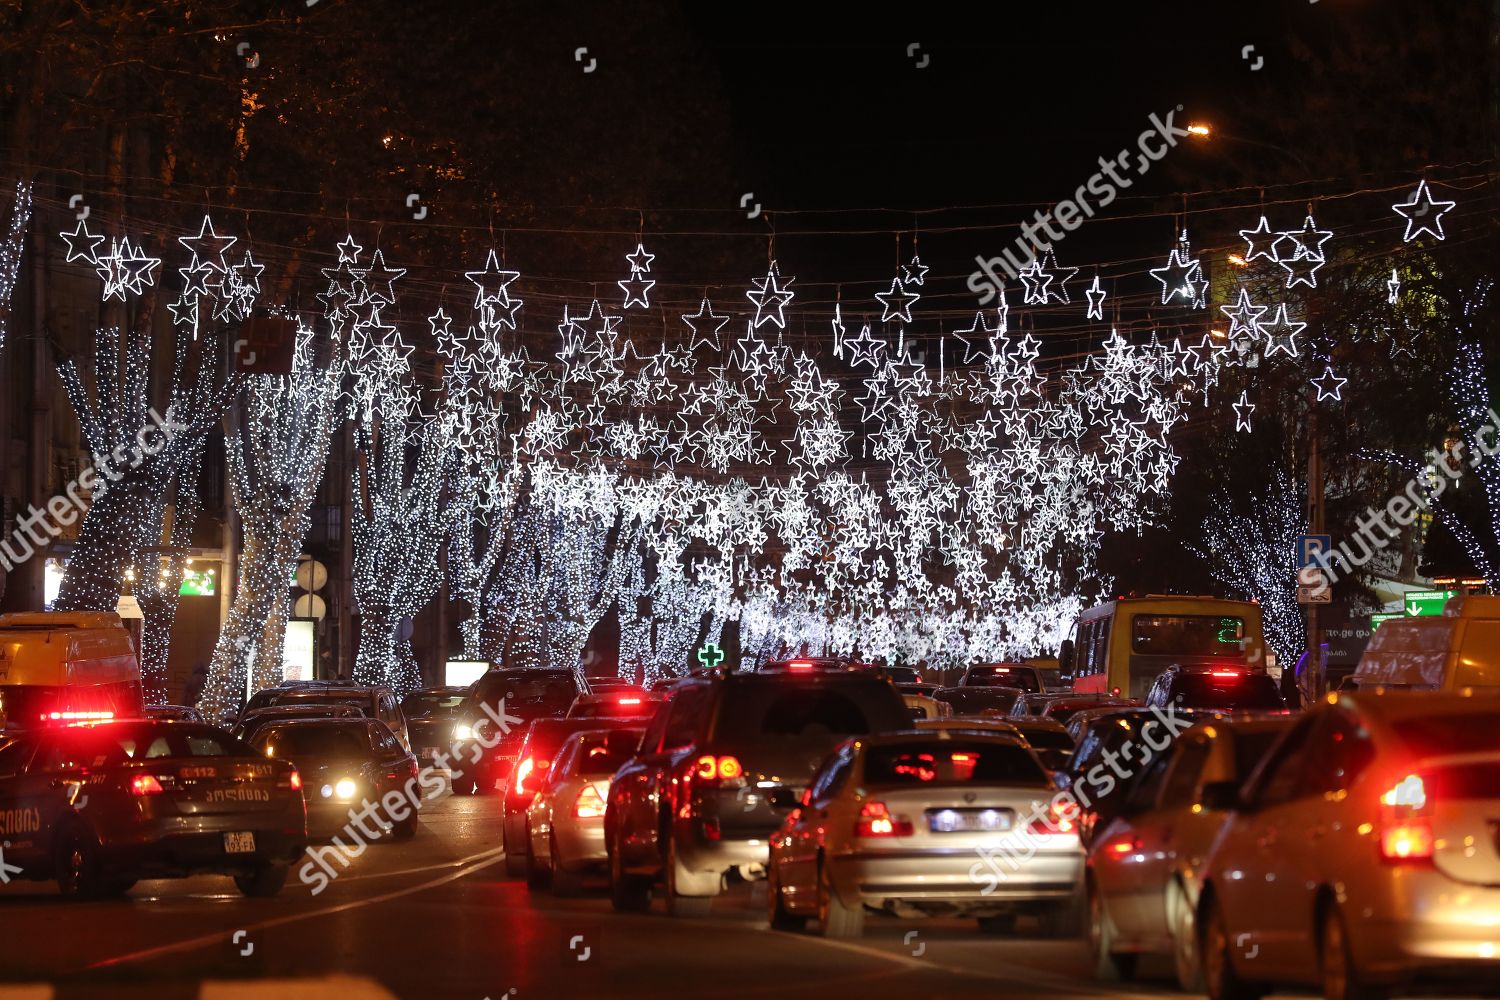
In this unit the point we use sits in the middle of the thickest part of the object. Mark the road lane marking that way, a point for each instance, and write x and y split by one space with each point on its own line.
191 944
460 862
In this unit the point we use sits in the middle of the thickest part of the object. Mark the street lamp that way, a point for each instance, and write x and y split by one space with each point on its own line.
1205 131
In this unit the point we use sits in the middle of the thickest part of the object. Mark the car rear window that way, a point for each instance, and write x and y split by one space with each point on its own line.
1451 734
1231 690
952 763
313 741
997 676
420 706
1048 739
359 699
979 699
521 689
809 711
597 760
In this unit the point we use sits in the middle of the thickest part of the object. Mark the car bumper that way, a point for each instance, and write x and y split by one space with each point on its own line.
705 855
956 877
195 845
1427 927
579 844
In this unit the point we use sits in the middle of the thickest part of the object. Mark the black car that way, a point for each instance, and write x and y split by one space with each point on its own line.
1014 675
491 725
979 700
720 765
1221 689
344 764
97 807
432 715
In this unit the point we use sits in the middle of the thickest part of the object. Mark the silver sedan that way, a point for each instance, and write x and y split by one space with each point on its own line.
565 821
926 822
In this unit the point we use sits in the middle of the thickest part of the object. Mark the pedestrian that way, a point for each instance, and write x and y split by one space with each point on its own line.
193 690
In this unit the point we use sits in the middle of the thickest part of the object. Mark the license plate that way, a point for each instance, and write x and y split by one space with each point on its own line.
239 843
968 820
429 751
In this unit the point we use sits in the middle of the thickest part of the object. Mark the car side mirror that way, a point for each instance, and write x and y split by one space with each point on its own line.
1222 796
783 797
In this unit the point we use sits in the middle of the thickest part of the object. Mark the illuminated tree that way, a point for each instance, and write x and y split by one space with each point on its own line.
12 248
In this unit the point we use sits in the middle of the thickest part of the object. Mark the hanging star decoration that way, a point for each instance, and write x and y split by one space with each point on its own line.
1393 288
897 302
1181 277
82 244
1244 328
1057 287
770 298
1096 297
1034 281
637 287
1243 408
1329 385
1301 263
1281 334
705 324
1423 213
1262 232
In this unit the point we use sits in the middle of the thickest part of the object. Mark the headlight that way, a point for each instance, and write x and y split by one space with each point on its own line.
345 788
463 731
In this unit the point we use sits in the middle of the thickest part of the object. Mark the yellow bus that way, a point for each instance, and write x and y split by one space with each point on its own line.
1119 647
58 668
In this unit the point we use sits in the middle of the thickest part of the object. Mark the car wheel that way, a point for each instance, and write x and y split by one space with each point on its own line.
1341 979
1185 955
679 882
407 828
777 914
628 893
834 918
537 877
264 882
1219 978
77 866
1110 966
564 882
1000 923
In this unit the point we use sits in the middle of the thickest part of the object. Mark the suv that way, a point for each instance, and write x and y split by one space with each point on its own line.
1224 689
375 702
525 693
719 766
1013 675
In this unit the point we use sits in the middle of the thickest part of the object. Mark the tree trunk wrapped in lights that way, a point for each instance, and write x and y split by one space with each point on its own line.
276 458
400 525
11 250
487 508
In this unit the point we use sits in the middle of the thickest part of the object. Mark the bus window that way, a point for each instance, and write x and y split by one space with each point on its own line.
1187 635
1102 629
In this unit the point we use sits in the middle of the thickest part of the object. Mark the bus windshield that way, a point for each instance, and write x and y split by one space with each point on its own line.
1188 635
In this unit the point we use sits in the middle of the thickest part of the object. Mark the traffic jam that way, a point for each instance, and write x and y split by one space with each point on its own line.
1150 795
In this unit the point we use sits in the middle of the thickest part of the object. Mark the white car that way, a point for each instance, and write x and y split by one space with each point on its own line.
565 821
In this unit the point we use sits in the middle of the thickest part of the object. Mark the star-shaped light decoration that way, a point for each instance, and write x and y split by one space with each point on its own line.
209 245
637 287
1096 297
1281 334
705 324
1423 213
866 348
1243 408
978 333
82 244
1393 288
1035 281
1329 385
915 273
770 298
1261 232
897 302
1180 275
1057 288
493 281
349 251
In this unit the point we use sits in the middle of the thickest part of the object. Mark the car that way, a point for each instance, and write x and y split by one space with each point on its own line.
565 821
979 700
518 695
617 703
1368 833
1225 689
64 667
98 806
343 763
601 684
249 723
922 707
1049 739
900 676
804 664
894 822
924 690
431 720
1061 706
1013 675
696 802
1454 651
1119 742
1144 864
539 747
172 713
378 703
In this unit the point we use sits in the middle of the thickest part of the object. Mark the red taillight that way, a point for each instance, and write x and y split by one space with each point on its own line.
295 781
630 701
875 820
1115 692
523 771
72 716
1060 818
799 666
145 784
1224 673
589 804
1406 833
711 768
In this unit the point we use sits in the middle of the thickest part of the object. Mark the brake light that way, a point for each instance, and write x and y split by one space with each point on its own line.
1225 673
875 820
1406 834
799 666
711 768
523 771
630 701
72 716
1115 692
145 784
589 804
295 781
1060 818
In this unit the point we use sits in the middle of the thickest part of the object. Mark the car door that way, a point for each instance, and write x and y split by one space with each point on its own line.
808 833
1169 836
20 808
55 784
1253 862
1136 861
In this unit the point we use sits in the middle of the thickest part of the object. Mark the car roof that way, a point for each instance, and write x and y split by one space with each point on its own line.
1395 705
1036 722
343 723
901 736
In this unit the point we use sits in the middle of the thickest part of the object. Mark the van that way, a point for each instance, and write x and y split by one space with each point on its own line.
1458 650
60 667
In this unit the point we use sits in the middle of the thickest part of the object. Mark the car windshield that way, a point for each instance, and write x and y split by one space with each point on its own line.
1187 635
951 762
1251 745
313 741
814 712
1227 689
425 704
998 675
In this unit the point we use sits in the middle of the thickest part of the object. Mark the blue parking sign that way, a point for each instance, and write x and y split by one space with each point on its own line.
1312 550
